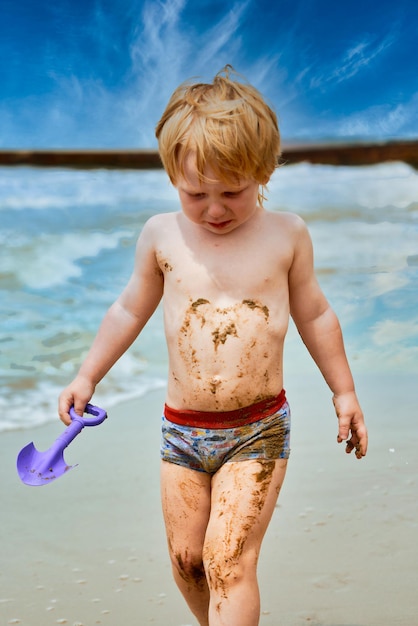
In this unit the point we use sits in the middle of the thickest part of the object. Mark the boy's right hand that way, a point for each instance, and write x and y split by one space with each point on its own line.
77 394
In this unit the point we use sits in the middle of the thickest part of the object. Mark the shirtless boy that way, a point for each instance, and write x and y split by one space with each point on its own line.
230 273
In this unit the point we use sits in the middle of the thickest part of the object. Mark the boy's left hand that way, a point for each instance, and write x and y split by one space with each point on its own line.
352 428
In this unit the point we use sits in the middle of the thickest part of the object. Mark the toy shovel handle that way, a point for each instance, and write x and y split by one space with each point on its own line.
99 415
78 422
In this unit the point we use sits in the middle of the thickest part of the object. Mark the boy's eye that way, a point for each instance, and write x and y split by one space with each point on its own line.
231 194
196 196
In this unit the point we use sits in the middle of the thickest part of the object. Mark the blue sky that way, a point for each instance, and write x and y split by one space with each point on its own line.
98 73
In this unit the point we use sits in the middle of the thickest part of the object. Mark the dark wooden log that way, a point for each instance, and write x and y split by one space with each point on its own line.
353 154
83 159
325 154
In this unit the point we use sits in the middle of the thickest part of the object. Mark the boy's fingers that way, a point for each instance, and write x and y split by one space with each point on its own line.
66 401
349 447
343 429
360 447
354 446
63 412
65 406
363 444
79 407
357 441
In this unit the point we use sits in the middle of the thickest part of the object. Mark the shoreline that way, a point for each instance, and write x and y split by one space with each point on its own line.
340 550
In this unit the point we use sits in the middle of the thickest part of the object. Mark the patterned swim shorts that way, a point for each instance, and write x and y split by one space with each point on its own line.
207 449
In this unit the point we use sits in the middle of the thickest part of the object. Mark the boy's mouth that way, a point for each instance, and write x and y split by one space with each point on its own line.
219 225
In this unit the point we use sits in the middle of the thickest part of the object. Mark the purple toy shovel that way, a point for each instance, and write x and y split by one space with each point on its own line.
40 468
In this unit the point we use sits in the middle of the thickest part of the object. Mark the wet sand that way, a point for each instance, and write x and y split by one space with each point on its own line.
341 549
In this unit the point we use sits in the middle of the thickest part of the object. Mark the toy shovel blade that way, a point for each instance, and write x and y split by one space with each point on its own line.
40 468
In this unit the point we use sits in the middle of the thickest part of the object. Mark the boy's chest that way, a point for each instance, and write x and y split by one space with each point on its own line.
254 268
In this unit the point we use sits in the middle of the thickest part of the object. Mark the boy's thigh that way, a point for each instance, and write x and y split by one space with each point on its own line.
244 495
186 502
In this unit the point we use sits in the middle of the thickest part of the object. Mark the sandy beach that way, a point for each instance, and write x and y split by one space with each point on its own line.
341 549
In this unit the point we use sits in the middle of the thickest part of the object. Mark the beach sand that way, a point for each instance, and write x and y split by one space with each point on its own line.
341 550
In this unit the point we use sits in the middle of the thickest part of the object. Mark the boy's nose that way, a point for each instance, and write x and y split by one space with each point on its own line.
216 209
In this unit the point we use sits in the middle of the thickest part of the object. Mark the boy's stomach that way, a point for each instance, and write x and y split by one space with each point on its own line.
238 375
224 358
220 393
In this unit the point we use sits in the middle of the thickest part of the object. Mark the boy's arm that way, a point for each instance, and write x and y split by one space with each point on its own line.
320 331
120 327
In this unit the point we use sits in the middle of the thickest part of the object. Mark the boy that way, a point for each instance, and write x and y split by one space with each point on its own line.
231 273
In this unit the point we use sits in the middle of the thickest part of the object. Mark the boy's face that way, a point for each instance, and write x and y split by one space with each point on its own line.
216 206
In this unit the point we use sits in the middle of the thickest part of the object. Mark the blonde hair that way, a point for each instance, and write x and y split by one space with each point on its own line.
226 124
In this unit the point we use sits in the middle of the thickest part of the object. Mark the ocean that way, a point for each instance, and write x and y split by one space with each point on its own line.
67 246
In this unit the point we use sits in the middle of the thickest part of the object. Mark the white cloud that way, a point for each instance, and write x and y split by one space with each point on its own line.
384 119
164 51
164 54
389 332
389 358
222 39
354 59
385 282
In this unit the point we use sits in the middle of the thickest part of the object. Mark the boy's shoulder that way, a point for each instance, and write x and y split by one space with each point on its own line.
285 219
286 229
157 224
161 218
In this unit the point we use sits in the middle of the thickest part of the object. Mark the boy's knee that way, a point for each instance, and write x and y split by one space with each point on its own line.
226 568
189 568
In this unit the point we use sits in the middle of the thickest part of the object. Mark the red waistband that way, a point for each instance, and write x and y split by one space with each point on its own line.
226 419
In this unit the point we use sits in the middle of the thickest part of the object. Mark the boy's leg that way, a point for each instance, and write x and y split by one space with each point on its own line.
186 503
244 495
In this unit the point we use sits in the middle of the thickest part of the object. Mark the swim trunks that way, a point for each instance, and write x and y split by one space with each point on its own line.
207 449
